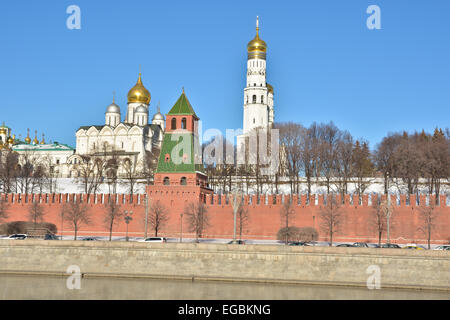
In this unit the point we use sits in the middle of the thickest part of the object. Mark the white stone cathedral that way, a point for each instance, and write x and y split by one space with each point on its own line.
258 94
132 139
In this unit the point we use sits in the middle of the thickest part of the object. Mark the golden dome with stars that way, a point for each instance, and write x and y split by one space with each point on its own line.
139 93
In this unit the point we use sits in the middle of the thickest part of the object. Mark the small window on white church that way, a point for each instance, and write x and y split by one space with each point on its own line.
253 120
254 98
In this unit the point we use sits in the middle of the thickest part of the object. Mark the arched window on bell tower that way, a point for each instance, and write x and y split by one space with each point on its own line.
183 123
254 98
262 99
174 123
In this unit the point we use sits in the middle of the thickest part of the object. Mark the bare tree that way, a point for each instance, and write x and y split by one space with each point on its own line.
342 166
292 141
91 172
50 174
150 164
331 217
379 215
428 216
287 214
197 218
3 208
113 214
362 167
36 212
9 161
242 218
131 174
28 161
158 216
385 158
329 138
77 214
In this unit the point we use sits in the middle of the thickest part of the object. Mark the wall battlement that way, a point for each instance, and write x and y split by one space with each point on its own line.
264 220
222 200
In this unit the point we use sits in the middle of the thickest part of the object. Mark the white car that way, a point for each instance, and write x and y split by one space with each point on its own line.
17 236
443 247
154 239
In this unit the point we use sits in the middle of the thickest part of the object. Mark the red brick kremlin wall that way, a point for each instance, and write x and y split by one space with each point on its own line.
264 217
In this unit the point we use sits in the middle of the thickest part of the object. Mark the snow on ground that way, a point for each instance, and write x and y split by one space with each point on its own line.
71 185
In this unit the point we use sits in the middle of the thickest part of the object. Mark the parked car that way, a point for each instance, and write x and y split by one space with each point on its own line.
443 247
237 242
50 236
299 243
413 246
345 245
154 239
18 236
390 245
360 244
89 239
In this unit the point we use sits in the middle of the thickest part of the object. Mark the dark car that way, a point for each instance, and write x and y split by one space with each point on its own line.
50 236
345 245
390 245
299 243
360 244
237 242
89 239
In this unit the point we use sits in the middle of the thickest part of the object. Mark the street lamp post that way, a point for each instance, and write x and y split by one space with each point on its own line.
181 227
236 204
388 213
146 215
128 218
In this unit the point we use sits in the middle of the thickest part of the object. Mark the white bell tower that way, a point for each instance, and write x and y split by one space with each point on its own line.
258 95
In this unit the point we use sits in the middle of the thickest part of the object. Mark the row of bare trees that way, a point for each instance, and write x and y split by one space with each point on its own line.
32 172
26 173
405 159
324 155
104 164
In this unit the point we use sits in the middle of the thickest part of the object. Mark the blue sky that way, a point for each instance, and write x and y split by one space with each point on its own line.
323 62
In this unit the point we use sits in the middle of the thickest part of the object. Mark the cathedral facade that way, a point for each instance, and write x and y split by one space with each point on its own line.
134 139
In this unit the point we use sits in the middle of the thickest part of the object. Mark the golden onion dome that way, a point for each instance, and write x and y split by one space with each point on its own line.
139 93
2 131
270 88
28 139
10 140
257 48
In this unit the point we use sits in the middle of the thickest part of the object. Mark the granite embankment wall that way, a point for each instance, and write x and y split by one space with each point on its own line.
264 215
260 263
